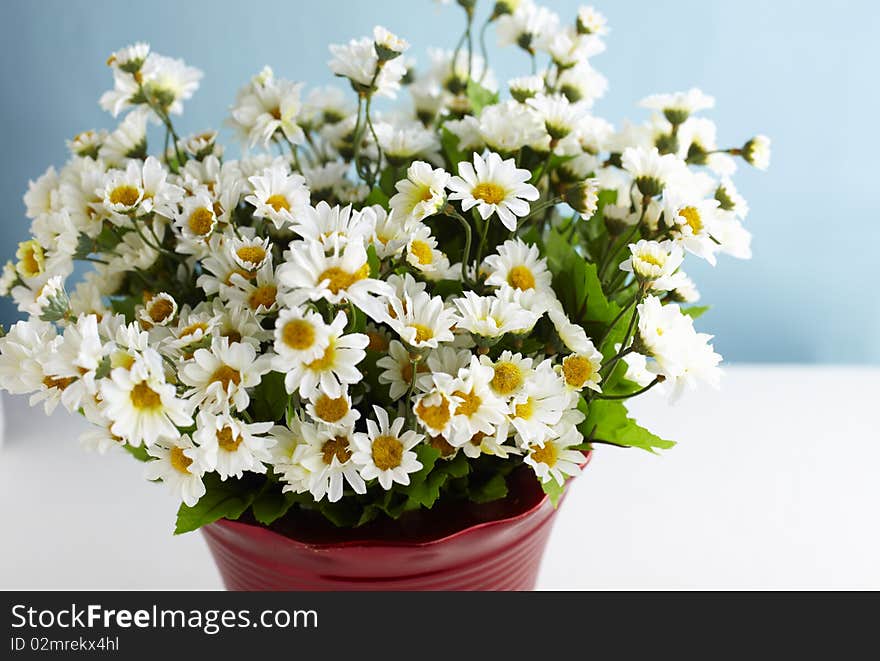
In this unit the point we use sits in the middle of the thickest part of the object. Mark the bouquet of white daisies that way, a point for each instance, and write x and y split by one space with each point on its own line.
372 310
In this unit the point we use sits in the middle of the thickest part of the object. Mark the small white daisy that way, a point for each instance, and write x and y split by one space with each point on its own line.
278 195
173 463
422 193
230 446
385 451
493 186
220 377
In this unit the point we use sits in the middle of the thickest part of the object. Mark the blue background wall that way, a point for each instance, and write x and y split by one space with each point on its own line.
801 71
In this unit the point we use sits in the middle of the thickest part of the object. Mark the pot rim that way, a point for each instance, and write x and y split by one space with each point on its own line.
395 543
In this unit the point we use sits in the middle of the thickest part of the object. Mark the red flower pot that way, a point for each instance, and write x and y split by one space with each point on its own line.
458 546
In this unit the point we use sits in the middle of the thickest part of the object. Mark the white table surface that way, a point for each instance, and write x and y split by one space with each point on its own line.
774 485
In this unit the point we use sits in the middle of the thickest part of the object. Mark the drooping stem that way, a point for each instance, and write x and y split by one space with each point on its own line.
483 52
659 379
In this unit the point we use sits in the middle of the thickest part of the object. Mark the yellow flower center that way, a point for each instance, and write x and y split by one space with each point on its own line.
508 378
693 219
435 416
422 252
423 333
577 370
264 296
330 409
425 194
30 254
298 334
179 460
406 372
226 375
387 452
201 221
336 447
60 383
232 335
252 254
470 403
326 361
651 259
378 342
145 398
160 310
489 192
339 279
521 277
526 409
125 195
227 441
545 455
278 202
192 329
442 446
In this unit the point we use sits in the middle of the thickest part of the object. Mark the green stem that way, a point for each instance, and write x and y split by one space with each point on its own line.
465 258
483 51
641 391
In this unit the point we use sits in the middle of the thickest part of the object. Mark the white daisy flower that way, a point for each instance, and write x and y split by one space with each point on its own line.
335 368
573 336
266 106
219 377
334 412
130 58
328 459
229 446
654 262
301 336
391 231
679 106
538 408
582 83
491 316
278 195
331 225
343 275
651 171
170 81
510 373
528 26
388 45
173 463
143 406
422 321
123 191
397 370
590 21
693 224
493 186
525 87
20 351
559 115
385 451
129 140
160 310
554 460
756 152
250 253
257 292
196 220
422 193
508 127
76 359
358 61
518 265
478 410
581 370
323 179
423 255
401 143
291 442
434 408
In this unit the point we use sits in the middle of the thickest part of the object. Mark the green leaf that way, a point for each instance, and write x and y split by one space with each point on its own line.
222 500
608 421
373 261
125 306
695 311
140 452
271 504
269 399
480 97
377 196
449 142
554 490
494 488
